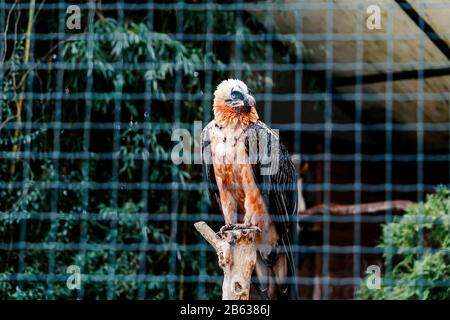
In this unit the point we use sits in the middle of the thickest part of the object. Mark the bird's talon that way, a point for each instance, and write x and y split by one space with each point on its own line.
225 228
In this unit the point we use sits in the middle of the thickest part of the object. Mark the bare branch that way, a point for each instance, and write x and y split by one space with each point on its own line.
365 208
208 234
6 31
236 251
6 121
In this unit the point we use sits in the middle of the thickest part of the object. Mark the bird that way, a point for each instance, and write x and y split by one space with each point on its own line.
253 180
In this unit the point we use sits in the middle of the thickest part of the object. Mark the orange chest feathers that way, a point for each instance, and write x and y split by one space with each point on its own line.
233 171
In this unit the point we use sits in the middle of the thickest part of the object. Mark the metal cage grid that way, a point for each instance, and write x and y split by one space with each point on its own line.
89 129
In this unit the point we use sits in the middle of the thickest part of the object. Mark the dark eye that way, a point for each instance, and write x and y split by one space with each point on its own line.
237 95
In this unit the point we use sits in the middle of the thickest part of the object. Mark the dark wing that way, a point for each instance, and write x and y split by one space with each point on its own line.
279 187
208 168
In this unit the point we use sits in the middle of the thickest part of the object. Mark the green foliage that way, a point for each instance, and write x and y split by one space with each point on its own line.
131 44
418 245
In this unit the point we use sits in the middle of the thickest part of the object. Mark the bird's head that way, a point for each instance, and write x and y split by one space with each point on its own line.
234 103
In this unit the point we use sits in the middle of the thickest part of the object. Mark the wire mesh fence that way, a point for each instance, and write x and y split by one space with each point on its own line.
91 94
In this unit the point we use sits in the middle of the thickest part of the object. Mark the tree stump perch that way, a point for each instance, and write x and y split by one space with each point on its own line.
236 252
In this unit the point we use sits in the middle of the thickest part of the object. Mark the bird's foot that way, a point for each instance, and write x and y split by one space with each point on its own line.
225 228
237 226
241 226
247 227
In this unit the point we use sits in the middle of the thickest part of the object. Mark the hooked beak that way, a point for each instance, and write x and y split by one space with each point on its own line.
241 100
249 102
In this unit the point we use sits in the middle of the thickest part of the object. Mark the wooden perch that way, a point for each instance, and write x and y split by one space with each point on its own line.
236 252
365 208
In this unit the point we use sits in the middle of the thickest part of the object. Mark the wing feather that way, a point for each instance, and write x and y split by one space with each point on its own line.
207 165
279 188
